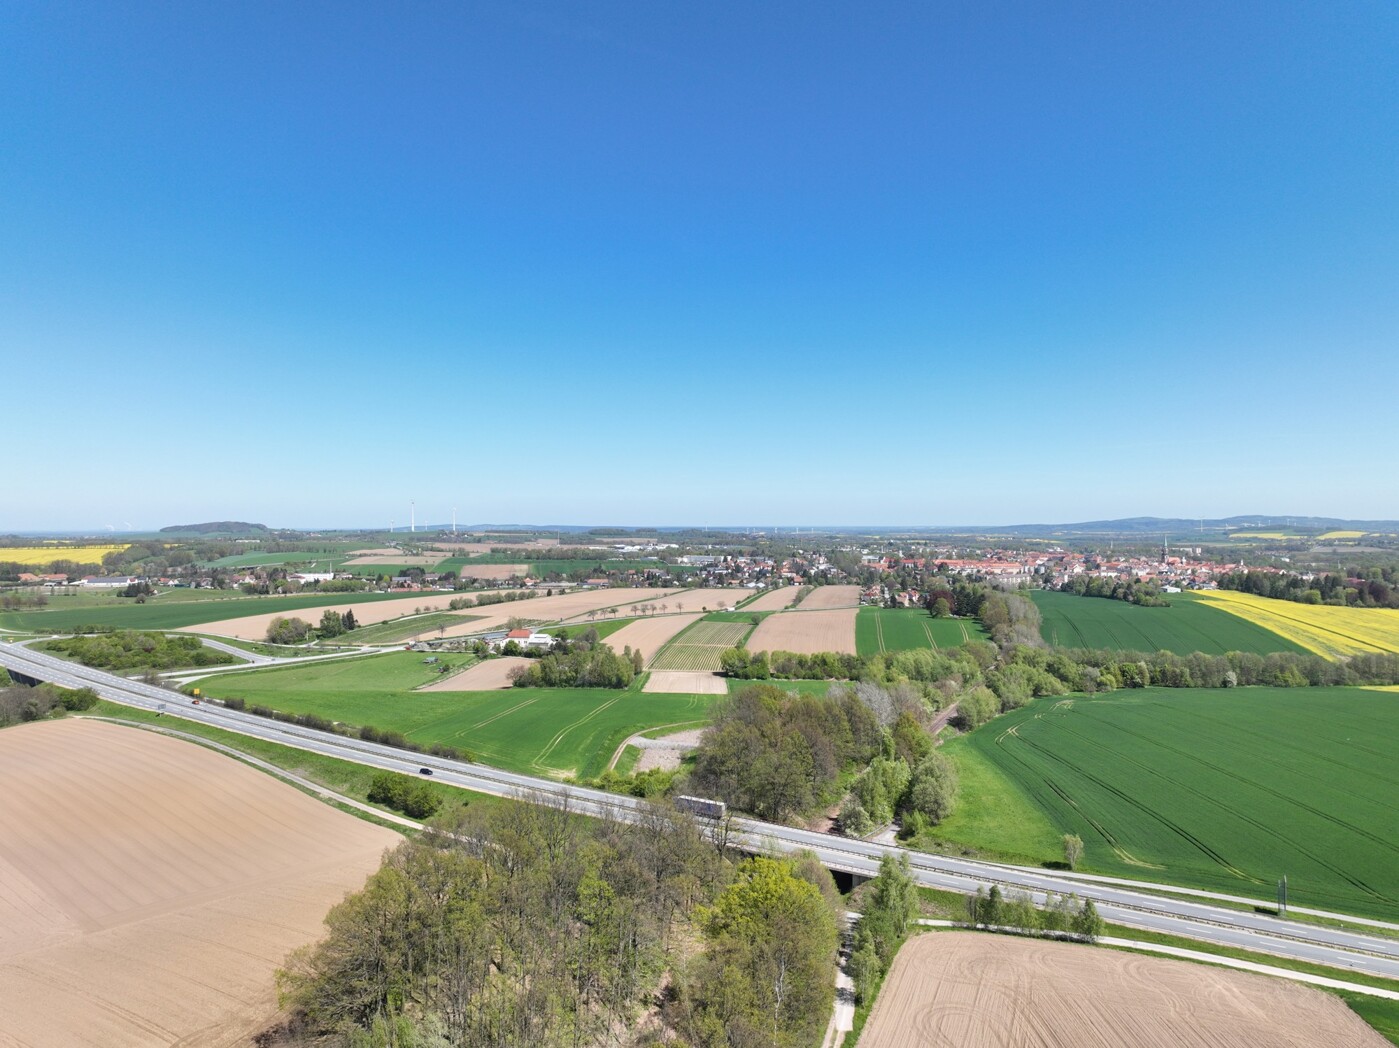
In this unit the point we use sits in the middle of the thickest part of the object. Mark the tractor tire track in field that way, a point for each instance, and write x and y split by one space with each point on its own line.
503 713
879 631
1132 802
1257 824
1270 741
1236 813
928 630
554 742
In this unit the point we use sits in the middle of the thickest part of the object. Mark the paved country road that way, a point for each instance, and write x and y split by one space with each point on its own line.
1121 903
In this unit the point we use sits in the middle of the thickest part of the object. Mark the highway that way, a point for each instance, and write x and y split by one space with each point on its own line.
1201 920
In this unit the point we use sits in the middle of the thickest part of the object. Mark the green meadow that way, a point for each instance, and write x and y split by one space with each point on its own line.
538 731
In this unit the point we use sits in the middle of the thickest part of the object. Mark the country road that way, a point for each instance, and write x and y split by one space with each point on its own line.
1119 902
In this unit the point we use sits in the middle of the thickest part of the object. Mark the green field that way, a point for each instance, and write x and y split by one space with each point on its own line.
904 629
1220 789
157 614
1188 625
409 628
333 559
539 731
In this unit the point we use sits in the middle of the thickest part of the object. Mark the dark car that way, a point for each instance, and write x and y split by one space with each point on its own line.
424 771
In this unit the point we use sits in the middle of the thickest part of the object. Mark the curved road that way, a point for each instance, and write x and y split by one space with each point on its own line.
1338 948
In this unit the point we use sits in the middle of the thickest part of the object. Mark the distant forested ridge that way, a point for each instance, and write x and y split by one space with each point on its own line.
218 527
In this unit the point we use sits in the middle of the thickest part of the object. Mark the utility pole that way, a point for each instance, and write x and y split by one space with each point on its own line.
412 516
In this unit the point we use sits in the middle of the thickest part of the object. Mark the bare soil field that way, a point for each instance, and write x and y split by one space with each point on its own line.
679 600
254 627
806 632
822 598
484 676
420 560
648 635
971 990
774 600
565 607
683 683
494 571
149 887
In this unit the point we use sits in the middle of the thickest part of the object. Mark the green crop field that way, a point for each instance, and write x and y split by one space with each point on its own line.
156 614
540 731
408 628
904 629
1188 625
1224 789
327 559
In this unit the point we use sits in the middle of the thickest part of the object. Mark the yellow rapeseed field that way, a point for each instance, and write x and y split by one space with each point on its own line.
34 556
1343 535
1326 630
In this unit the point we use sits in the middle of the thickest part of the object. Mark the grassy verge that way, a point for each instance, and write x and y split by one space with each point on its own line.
344 777
626 763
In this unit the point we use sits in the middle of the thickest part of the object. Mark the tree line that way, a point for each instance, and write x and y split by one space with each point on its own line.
130 650
1358 588
1133 591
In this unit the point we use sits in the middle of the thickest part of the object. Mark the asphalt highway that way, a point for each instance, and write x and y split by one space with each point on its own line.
1200 920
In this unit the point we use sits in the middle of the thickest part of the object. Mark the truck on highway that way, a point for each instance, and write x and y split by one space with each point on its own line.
702 806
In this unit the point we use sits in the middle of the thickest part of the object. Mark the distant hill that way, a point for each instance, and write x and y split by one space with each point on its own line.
217 527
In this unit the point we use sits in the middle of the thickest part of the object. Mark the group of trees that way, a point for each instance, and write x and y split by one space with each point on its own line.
288 630
890 906
1133 591
19 703
778 754
1359 587
523 924
293 630
593 666
413 797
130 650
334 623
920 789
1061 914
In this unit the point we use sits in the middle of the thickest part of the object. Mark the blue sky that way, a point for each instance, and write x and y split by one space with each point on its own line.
715 264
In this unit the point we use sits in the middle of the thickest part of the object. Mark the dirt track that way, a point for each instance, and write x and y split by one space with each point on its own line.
971 990
150 887
806 632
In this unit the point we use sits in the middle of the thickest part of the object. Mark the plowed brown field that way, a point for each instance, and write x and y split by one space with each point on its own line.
484 676
970 990
494 571
773 600
647 635
149 888
806 632
823 598
254 627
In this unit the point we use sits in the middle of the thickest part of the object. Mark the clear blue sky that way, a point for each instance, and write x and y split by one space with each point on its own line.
718 263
